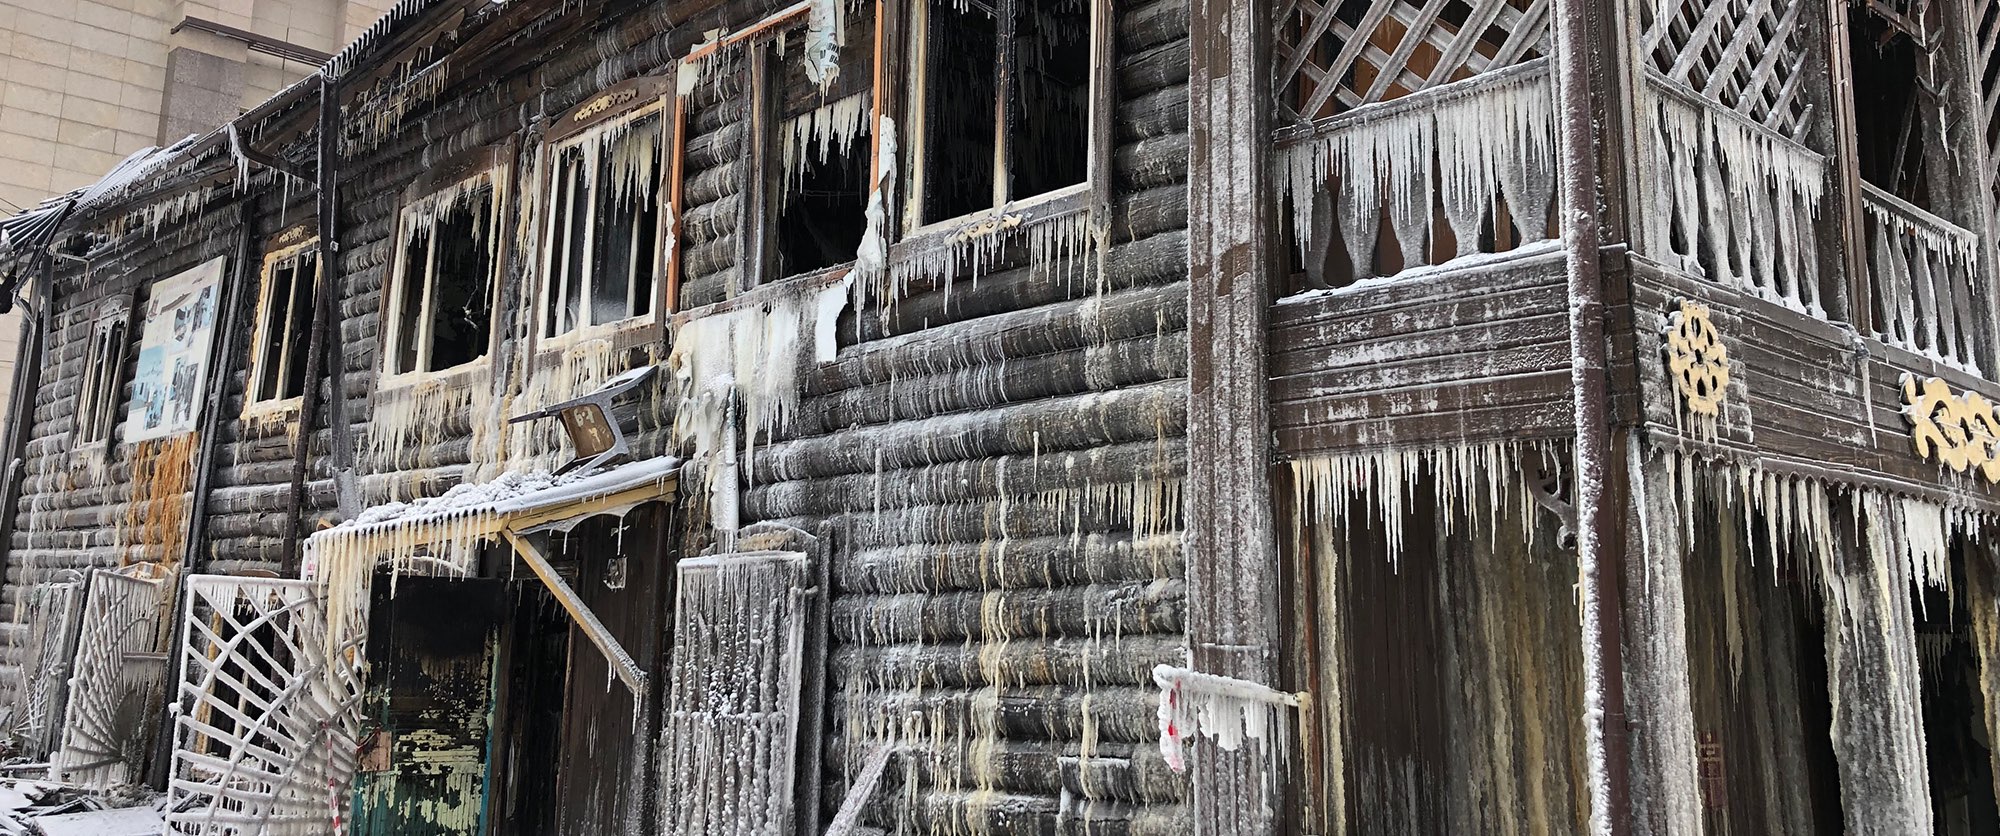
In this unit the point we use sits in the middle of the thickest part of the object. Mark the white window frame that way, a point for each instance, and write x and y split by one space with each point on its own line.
255 400
558 191
1097 167
391 319
98 396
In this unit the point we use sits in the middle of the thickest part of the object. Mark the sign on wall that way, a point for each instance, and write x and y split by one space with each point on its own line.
173 354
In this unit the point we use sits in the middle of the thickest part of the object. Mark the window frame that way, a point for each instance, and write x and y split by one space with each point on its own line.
1094 192
620 104
99 396
494 166
293 243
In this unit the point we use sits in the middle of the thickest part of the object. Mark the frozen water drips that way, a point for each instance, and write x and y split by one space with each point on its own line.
747 360
972 251
1231 712
410 422
812 137
1472 485
1473 149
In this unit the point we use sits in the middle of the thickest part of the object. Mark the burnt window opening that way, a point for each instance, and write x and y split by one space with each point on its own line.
284 325
1895 104
103 376
818 150
1005 97
602 263
443 295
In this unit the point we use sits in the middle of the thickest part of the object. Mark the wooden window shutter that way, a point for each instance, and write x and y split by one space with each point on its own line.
733 705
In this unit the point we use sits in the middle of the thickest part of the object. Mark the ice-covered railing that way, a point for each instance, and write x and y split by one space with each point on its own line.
1735 201
1457 170
1920 275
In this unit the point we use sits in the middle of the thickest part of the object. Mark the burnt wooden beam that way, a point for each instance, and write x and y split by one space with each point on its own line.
221 365
21 414
1600 521
1232 549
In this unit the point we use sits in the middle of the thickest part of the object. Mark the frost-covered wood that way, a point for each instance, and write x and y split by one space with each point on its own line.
731 731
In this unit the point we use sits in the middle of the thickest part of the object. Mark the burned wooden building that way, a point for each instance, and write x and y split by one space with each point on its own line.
1034 416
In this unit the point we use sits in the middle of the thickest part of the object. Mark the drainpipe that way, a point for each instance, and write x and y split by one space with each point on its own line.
1603 640
21 412
325 312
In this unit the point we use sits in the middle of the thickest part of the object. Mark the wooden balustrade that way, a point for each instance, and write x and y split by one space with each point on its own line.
1921 271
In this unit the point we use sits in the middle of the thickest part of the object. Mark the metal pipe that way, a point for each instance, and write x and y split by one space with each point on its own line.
1597 522
316 344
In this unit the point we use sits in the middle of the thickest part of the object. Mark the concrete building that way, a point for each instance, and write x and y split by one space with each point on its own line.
84 83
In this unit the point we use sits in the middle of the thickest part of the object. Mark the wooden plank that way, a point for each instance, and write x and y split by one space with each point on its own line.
622 664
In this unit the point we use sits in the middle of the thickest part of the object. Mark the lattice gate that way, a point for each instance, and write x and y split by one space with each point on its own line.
269 712
1747 55
731 733
50 615
117 684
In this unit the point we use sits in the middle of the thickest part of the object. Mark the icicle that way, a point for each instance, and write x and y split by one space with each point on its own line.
811 137
1053 242
1472 485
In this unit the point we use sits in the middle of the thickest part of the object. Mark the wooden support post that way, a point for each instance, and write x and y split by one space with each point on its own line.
1872 672
622 664
1858 308
1660 704
1982 596
1599 540
1232 552
21 414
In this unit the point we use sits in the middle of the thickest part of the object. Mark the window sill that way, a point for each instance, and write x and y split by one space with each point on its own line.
1064 201
817 280
624 335
458 375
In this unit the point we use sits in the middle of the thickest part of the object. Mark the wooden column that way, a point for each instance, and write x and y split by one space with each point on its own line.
1659 699
1232 553
1871 661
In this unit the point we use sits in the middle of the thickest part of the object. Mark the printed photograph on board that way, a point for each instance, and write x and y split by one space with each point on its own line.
173 354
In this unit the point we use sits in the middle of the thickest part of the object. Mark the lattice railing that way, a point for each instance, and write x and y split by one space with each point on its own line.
270 712
117 684
1335 55
1747 55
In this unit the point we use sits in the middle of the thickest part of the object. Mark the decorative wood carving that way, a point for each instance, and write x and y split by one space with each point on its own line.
1957 431
1697 360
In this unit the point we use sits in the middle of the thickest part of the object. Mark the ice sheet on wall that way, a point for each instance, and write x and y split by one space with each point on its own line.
173 353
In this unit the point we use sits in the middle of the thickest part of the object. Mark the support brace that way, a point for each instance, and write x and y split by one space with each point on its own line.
622 664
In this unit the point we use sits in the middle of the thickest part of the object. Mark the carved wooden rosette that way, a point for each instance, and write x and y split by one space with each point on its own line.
1957 431
1697 360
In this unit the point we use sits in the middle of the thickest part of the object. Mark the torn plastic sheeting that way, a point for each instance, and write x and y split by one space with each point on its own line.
1228 710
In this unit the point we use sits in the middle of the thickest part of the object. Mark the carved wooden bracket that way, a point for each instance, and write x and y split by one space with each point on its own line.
1697 359
1957 431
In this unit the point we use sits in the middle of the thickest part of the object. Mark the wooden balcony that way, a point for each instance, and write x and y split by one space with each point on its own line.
1921 280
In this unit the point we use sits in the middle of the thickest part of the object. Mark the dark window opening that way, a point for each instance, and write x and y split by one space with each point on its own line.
604 227
444 298
285 328
104 366
960 111
1049 128
822 215
1894 109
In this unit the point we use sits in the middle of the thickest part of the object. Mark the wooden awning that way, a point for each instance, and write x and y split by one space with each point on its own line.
514 509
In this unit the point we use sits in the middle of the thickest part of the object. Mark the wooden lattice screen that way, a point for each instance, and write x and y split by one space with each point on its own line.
50 615
270 712
117 683
1983 19
1335 55
1747 55
733 712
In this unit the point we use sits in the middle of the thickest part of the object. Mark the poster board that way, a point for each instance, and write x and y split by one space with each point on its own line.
170 384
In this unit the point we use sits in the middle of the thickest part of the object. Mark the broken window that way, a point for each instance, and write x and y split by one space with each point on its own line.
103 374
816 187
1896 97
284 325
440 306
602 261
1003 99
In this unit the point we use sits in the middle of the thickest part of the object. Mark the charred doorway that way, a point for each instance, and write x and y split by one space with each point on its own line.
1958 743
427 712
1441 649
574 755
1758 672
